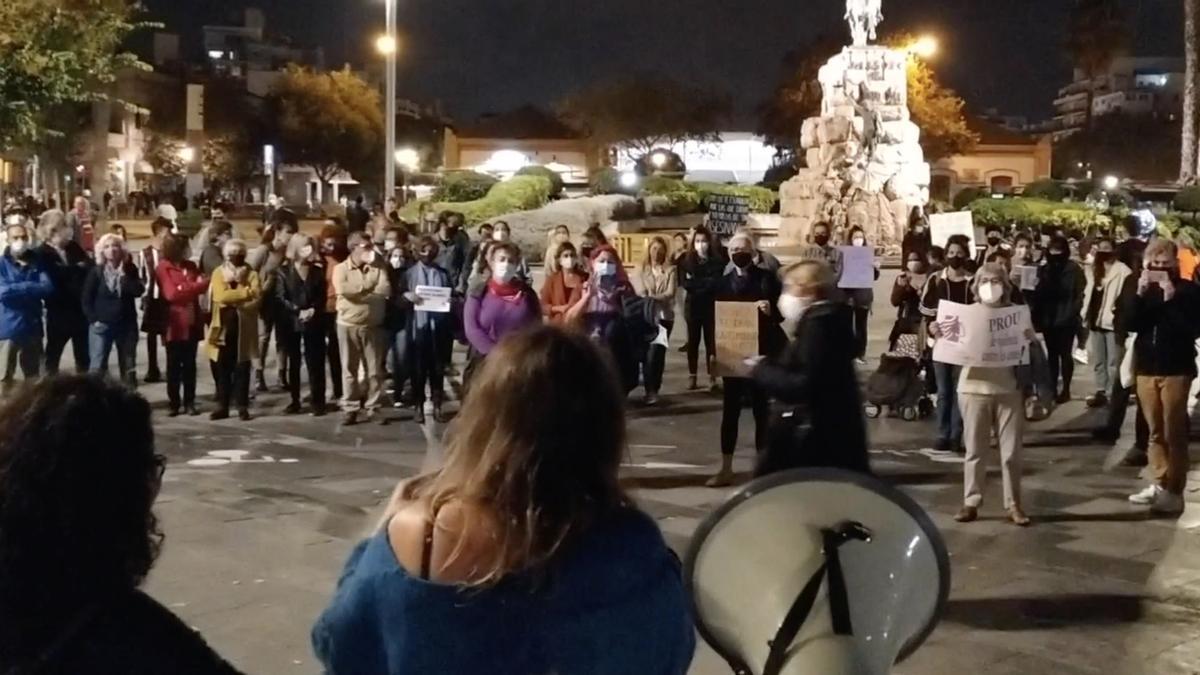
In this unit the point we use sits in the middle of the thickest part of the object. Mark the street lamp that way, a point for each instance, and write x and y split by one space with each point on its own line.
188 154
925 47
628 179
387 45
1111 183
409 160
659 159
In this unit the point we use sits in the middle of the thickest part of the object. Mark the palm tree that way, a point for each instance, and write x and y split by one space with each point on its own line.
1188 158
1097 33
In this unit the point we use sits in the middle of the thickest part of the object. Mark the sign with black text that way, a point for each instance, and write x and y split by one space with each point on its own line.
726 213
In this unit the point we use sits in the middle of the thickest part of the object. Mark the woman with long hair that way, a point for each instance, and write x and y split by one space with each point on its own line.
522 554
110 292
1105 278
182 286
233 329
700 274
659 284
560 235
300 301
600 311
78 479
563 287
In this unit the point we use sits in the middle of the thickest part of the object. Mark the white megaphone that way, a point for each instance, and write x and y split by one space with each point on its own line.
817 571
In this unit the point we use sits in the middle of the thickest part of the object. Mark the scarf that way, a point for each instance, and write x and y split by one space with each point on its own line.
507 291
112 279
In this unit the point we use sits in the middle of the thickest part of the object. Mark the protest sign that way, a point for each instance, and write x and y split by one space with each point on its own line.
726 213
978 335
737 337
944 225
858 267
1026 277
433 299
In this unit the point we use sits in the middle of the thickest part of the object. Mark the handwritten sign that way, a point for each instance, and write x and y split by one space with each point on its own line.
726 213
858 267
1026 276
737 337
942 226
982 336
433 299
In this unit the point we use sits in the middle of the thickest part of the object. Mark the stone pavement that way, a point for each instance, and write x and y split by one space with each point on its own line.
259 517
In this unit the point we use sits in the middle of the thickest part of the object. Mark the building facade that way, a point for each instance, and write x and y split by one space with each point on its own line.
1133 85
1003 162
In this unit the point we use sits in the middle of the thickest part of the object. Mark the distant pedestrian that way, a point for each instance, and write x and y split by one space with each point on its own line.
600 313
428 332
659 286
499 308
1059 303
563 288
333 252
952 284
154 305
357 216
1105 278
700 275
861 300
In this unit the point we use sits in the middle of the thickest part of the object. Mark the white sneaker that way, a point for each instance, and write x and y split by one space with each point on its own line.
1146 497
1167 503
1081 357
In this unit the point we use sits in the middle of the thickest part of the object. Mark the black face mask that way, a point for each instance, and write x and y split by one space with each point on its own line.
742 259
1056 258
821 239
1104 257
993 241
237 260
955 262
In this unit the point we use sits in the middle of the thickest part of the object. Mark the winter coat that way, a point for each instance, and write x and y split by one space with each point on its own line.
1115 275
1166 329
232 299
1059 296
362 294
294 294
182 286
102 305
758 285
67 271
22 290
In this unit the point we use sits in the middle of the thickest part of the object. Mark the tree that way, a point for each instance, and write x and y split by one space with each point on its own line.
933 107
1191 92
1096 34
1137 147
162 151
645 111
55 52
1188 200
330 122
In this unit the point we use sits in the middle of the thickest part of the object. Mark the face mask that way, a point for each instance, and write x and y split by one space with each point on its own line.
567 262
702 248
955 262
428 256
990 294
306 252
742 259
503 272
18 246
821 239
390 244
368 257
396 260
993 241
914 266
859 241
1104 256
1056 258
500 236
237 260
793 307
605 269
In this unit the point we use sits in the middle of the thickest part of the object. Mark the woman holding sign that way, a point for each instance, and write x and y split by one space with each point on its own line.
991 400
428 329
860 300
745 282
952 284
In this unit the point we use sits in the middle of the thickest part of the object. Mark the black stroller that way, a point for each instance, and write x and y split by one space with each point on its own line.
897 384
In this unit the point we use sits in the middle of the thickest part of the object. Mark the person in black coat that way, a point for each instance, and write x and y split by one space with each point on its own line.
700 276
820 423
300 299
68 265
110 292
746 282
1059 304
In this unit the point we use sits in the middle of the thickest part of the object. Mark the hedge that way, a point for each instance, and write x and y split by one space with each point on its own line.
761 199
1045 188
556 181
464 186
607 181
519 193
1028 212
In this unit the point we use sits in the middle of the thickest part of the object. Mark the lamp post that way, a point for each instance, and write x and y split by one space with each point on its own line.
409 160
387 45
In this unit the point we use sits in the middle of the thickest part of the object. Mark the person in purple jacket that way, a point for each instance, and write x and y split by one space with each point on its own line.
504 305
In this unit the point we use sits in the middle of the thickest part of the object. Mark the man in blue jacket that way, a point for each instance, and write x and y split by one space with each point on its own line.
24 284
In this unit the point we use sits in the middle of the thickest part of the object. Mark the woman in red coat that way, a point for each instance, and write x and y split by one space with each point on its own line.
181 285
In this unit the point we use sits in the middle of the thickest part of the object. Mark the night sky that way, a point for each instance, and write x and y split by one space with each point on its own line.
493 55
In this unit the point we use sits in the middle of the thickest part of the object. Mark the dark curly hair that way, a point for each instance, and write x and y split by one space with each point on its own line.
78 478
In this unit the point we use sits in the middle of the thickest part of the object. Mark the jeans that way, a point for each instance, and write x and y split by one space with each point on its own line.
862 316
736 388
949 419
656 363
428 365
1059 343
313 343
61 329
398 359
102 337
181 373
1164 402
701 322
26 351
1105 351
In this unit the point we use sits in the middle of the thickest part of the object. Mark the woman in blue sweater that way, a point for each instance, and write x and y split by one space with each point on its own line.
522 554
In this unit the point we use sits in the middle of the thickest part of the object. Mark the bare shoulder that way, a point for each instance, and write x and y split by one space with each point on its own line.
463 537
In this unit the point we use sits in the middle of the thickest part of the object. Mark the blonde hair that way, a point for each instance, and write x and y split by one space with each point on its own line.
997 270
545 472
232 245
297 242
812 275
1159 246
103 243
647 261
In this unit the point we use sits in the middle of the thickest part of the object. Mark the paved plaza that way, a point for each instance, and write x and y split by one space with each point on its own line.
260 516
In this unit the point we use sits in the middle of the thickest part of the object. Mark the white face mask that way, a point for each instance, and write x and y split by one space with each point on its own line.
390 244
859 241
18 246
702 247
567 263
498 235
914 267
605 269
792 307
396 260
503 271
368 257
306 252
990 294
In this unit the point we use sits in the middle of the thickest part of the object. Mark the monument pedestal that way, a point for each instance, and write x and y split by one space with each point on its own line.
865 164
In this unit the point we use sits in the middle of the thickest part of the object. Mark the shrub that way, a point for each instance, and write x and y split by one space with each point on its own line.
678 203
464 186
1035 213
1045 188
556 181
1188 199
519 193
966 196
672 167
778 175
660 185
607 181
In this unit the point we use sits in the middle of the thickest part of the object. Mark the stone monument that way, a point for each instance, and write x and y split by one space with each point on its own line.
865 166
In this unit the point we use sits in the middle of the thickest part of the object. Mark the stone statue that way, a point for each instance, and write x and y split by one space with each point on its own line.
864 17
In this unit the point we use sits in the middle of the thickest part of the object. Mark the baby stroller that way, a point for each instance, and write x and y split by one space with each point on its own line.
898 384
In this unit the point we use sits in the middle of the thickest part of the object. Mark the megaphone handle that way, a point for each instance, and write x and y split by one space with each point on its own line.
839 604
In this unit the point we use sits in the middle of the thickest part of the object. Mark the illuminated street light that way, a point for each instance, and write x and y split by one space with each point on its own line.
628 179
408 159
187 153
658 159
385 44
925 47
1111 183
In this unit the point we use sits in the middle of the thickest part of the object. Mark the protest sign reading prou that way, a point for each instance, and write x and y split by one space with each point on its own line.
982 336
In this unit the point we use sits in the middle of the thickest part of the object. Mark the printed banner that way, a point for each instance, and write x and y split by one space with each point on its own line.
978 335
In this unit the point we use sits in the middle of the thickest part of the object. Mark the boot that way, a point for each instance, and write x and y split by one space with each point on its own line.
692 385
260 382
284 383
724 477
419 413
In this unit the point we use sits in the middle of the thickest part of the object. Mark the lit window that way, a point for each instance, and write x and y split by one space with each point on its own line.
216 54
